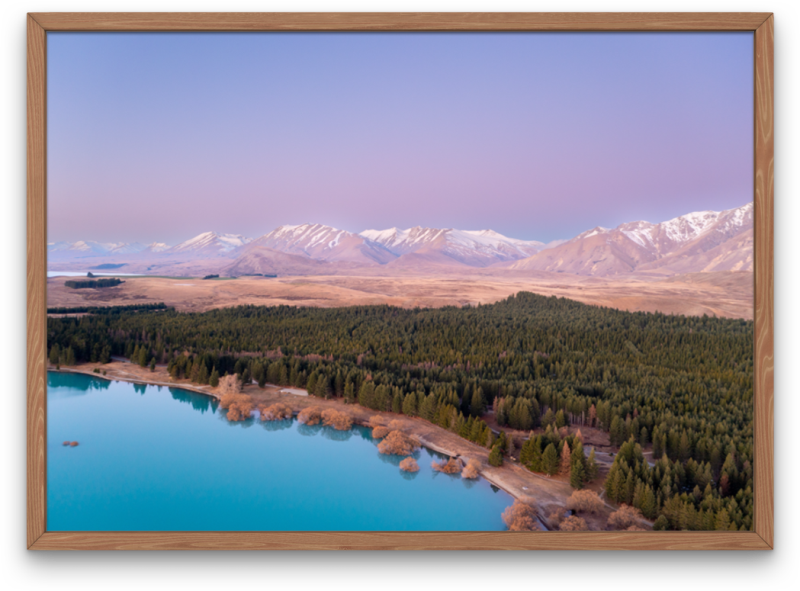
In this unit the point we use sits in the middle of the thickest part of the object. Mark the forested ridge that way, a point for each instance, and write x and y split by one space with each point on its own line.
682 384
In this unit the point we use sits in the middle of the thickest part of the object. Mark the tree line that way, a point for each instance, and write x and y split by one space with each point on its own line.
84 283
106 309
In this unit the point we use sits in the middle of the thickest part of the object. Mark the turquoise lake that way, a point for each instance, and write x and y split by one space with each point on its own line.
157 458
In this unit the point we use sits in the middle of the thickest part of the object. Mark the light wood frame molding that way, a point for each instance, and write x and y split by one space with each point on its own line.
38 24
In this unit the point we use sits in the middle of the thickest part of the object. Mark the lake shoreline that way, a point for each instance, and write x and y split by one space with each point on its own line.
515 480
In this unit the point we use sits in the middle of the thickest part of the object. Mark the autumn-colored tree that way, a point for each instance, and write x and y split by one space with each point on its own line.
375 421
573 523
239 406
229 384
310 415
520 517
585 501
275 412
636 528
398 443
471 470
624 517
556 517
450 466
395 425
566 459
409 465
338 420
379 432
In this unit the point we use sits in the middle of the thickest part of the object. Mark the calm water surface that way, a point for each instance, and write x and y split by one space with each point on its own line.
153 458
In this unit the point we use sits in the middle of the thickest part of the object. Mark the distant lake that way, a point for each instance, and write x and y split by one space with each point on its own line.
157 458
104 272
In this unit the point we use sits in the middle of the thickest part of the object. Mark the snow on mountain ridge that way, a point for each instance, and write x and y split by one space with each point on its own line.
667 235
210 242
486 242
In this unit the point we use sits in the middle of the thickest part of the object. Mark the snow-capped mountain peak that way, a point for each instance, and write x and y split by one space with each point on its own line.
472 247
210 243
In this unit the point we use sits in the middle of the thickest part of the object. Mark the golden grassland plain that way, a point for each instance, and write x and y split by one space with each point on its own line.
728 294
548 494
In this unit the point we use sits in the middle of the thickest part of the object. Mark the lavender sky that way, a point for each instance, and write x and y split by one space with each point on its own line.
156 136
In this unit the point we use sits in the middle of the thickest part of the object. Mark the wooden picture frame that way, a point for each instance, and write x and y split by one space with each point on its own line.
38 24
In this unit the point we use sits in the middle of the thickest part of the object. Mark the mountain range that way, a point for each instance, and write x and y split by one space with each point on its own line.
696 242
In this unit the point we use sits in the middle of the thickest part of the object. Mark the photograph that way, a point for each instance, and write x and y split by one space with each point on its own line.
484 281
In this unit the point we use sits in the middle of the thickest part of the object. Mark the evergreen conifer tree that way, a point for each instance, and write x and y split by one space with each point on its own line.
410 405
496 456
576 476
397 401
550 460
477 404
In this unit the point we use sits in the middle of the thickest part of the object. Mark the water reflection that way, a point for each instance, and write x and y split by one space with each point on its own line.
245 424
277 425
366 434
196 401
308 430
469 482
395 460
67 386
408 475
334 435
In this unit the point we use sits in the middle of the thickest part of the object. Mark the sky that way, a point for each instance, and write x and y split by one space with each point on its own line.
538 136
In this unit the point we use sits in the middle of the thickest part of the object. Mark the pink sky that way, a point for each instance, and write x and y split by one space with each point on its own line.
158 137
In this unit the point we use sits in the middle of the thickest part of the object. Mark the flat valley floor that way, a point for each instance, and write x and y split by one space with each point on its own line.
728 294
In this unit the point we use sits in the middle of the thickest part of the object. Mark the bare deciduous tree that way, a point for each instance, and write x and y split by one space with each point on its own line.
229 384
450 466
239 406
338 420
310 415
585 501
379 432
624 517
409 465
398 443
275 412
573 523
520 517
556 517
471 470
